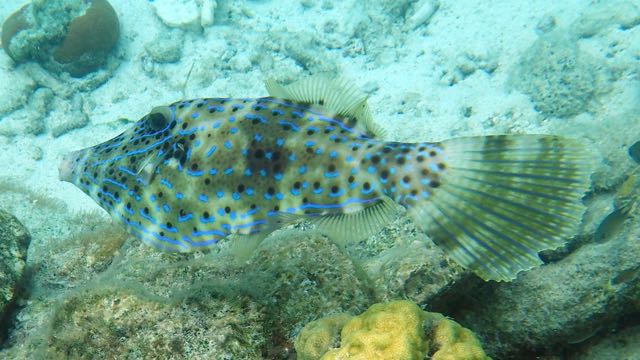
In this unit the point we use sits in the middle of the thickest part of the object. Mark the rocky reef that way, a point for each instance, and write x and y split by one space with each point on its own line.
14 241
72 35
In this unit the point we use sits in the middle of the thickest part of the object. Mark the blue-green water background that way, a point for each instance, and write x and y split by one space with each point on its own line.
432 69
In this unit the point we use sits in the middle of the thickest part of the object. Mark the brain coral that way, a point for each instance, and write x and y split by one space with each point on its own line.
394 330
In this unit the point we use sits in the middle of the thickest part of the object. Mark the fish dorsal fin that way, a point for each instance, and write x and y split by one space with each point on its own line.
356 226
332 96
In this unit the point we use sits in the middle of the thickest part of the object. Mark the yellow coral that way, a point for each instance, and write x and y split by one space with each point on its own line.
396 330
319 336
455 343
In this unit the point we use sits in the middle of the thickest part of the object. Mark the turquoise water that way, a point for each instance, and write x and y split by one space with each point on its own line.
77 284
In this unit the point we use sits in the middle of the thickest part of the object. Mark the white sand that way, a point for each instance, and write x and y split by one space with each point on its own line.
411 72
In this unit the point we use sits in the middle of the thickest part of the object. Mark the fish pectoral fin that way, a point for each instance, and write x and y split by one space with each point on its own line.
332 96
353 227
147 169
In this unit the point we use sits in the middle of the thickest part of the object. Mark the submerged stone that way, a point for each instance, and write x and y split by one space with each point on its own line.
71 36
14 241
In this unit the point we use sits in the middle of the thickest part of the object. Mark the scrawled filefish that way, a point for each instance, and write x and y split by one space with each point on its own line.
188 174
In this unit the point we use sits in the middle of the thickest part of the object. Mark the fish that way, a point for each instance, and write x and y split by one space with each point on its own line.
189 174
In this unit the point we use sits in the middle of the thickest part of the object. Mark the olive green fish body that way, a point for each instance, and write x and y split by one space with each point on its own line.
215 167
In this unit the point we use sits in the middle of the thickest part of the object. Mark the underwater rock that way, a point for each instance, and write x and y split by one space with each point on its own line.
21 122
466 64
166 47
67 117
394 330
561 303
31 118
558 77
73 36
613 163
107 323
423 11
185 14
618 345
14 242
15 90
312 278
604 14
417 270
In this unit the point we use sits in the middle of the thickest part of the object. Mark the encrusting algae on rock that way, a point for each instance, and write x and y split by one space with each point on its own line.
191 173
396 330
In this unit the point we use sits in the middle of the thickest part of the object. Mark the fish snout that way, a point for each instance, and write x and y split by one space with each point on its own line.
68 165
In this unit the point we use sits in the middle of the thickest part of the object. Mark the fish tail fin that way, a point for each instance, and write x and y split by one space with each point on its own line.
492 203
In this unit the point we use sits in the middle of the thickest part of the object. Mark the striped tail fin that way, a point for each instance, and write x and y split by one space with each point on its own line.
499 200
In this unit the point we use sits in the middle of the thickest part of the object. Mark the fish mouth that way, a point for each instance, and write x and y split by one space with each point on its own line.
66 168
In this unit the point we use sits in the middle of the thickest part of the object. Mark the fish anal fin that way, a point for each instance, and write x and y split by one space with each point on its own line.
353 227
242 246
332 96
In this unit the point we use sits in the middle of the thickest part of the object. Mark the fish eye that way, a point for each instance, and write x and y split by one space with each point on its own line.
158 118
